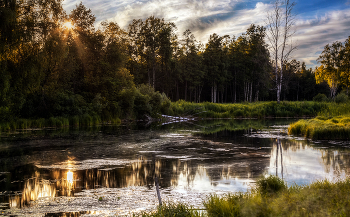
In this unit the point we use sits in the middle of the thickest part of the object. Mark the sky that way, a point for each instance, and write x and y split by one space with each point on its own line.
318 22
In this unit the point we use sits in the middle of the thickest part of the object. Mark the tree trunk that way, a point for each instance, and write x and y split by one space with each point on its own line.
186 91
251 92
257 96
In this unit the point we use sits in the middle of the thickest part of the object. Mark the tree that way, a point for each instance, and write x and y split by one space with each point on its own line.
191 66
345 65
330 70
280 24
216 63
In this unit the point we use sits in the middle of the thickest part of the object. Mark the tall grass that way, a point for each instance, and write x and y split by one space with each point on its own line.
172 210
271 197
247 110
332 123
322 128
321 198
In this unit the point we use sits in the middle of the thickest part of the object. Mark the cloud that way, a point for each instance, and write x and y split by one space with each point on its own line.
313 34
225 17
203 18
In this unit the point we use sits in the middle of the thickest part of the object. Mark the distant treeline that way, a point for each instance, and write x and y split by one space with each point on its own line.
54 64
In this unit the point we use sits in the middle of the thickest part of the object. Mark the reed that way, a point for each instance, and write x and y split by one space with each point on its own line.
248 110
271 197
322 198
323 127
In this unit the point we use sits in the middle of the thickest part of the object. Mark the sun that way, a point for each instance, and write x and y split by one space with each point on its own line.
68 25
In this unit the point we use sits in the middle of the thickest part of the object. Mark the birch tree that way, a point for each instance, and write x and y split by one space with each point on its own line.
330 70
280 23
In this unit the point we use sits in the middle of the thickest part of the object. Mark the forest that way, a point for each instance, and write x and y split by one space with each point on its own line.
58 64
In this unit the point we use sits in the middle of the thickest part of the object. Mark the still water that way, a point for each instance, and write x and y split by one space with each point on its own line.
110 170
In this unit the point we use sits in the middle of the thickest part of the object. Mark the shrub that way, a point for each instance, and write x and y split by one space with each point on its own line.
171 209
141 105
74 121
270 185
341 98
86 120
320 98
126 101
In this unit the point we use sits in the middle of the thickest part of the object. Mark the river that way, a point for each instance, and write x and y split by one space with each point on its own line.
110 170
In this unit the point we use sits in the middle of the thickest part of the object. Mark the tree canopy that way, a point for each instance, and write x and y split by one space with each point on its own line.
54 63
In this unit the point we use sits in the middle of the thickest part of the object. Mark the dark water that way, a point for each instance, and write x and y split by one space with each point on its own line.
111 170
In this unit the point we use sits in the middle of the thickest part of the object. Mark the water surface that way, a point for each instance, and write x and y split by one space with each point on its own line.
111 170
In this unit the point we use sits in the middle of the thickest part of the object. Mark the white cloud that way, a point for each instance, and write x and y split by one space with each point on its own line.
312 35
225 17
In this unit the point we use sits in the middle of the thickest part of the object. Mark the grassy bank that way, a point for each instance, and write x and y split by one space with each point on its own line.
322 128
206 110
273 198
247 110
332 123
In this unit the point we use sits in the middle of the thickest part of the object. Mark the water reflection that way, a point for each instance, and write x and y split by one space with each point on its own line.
302 162
34 188
222 161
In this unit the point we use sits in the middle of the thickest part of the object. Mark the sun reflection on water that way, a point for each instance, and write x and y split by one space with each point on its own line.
70 177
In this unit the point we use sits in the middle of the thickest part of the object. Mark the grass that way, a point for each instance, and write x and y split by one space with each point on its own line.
247 110
321 198
323 128
272 197
332 123
171 209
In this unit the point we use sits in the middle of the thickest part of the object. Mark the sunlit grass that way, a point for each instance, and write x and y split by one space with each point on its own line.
322 127
322 198
332 123
272 197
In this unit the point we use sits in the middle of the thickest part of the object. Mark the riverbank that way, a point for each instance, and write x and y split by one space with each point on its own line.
272 197
321 127
184 111
332 123
258 110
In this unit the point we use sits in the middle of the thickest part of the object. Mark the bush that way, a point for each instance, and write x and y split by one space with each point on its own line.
126 101
141 105
170 210
341 98
320 98
270 185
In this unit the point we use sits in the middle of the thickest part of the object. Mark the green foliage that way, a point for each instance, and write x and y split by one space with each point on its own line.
341 98
270 185
126 101
247 110
171 210
142 106
87 75
320 98
322 198
323 127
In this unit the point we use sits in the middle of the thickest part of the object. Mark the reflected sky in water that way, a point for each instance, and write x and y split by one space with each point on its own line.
187 163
